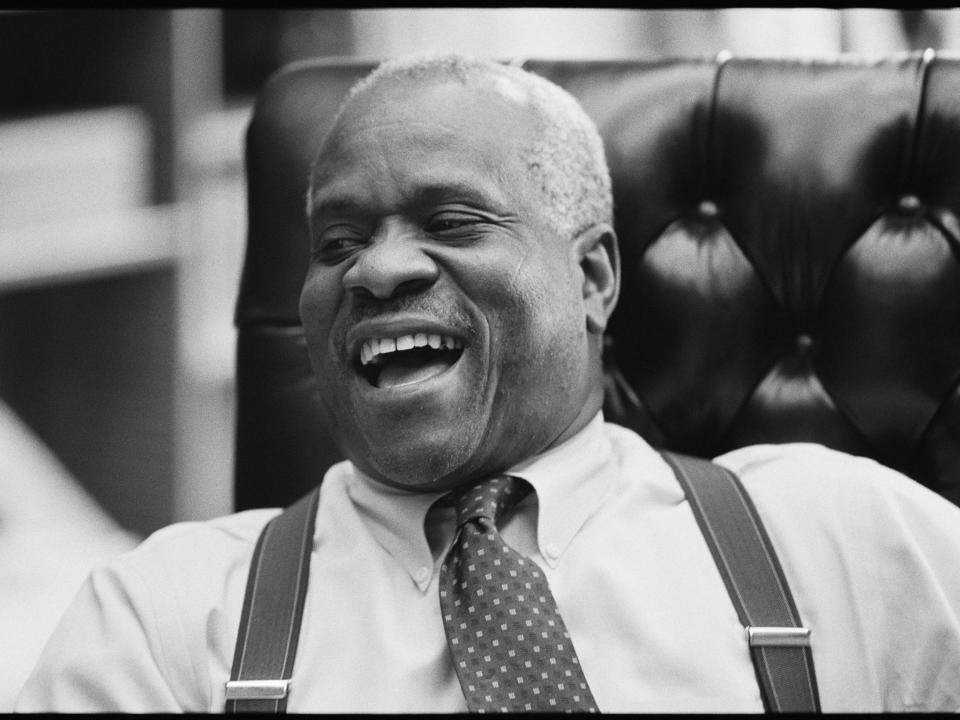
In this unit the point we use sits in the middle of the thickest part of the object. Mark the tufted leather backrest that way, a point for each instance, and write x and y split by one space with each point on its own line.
791 260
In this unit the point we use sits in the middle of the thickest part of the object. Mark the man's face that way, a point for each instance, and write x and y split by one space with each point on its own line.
445 323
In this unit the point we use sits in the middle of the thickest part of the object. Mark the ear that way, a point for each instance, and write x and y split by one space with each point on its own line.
598 256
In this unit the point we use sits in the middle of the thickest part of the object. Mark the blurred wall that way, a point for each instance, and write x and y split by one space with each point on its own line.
611 33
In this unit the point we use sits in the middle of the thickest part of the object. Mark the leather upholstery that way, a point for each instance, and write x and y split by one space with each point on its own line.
791 260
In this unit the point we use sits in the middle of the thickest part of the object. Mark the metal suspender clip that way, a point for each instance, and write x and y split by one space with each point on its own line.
778 636
257 689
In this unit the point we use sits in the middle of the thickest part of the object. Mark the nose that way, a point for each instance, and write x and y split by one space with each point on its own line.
392 261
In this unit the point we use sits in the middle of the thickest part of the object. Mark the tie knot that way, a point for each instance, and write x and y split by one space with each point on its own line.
490 498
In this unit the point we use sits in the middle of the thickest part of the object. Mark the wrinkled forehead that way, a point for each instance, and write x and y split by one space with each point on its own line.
399 140
494 110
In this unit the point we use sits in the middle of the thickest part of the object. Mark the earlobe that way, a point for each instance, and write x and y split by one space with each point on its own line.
599 259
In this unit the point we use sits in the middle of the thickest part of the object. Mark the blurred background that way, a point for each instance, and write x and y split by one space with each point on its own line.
122 222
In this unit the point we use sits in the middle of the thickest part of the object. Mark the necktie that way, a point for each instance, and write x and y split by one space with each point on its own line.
510 648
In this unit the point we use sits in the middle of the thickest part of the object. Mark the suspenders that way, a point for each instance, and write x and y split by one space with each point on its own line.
272 610
779 645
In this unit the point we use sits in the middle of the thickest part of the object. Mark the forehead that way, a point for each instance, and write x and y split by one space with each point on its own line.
414 134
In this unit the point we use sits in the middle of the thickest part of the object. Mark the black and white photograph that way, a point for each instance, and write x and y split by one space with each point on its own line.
435 360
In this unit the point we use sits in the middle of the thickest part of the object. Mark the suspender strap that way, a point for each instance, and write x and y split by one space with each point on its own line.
779 645
272 609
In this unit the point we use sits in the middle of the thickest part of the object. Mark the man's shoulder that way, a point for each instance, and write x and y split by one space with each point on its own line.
789 461
235 529
214 547
823 486
815 468
780 467
194 553
803 476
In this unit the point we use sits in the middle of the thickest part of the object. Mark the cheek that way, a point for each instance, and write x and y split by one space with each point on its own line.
318 302
542 316
538 364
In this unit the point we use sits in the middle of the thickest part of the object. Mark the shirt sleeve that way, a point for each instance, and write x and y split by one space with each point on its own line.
154 630
918 560
103 656
872 560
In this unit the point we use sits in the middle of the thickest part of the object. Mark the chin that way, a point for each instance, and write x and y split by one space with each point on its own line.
423 466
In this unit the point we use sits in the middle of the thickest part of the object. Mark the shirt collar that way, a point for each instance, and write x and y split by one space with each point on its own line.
395 518
571 480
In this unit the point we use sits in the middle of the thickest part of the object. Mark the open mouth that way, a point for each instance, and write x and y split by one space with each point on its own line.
396 361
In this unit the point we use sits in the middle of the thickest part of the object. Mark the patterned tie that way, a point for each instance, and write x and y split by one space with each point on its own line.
509 645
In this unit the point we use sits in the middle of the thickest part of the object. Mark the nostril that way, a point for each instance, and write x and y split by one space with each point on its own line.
361 291
384 285
414 285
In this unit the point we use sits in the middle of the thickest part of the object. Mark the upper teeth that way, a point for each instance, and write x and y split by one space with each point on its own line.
376 347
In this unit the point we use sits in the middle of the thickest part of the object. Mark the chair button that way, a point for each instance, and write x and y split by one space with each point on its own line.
909 204
708 209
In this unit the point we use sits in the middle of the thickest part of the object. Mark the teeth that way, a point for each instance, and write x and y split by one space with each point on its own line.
372 349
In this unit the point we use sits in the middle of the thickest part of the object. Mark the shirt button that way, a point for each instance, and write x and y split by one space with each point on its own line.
553 551
422 574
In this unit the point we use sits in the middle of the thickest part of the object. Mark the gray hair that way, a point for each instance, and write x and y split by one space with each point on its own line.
566 160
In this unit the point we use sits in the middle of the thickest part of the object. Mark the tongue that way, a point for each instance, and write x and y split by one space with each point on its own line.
403 370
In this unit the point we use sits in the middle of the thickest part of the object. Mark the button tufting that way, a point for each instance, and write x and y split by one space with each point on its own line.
909 203
708 209
804 343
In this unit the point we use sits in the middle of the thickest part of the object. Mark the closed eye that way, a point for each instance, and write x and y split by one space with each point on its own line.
453 223
337 242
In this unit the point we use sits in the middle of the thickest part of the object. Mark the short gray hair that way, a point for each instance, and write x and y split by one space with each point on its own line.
566 160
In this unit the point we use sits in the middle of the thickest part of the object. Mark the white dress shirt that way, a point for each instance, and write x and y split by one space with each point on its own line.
871 557
52 533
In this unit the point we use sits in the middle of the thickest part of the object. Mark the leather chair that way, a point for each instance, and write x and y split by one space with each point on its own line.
791 260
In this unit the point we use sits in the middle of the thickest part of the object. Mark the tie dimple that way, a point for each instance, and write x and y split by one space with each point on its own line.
489 499
509 645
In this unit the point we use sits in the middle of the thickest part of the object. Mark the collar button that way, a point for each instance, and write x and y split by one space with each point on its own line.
552 550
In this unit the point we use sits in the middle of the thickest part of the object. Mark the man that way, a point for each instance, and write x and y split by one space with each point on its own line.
463 270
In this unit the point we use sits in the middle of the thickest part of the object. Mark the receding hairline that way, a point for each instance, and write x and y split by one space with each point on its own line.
568 145
424 71
496 123
363 111
466 70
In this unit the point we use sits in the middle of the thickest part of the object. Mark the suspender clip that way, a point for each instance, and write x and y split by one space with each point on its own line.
257 689
778 636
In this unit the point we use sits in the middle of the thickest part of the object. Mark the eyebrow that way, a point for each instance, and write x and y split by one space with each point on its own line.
445 192
334 199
